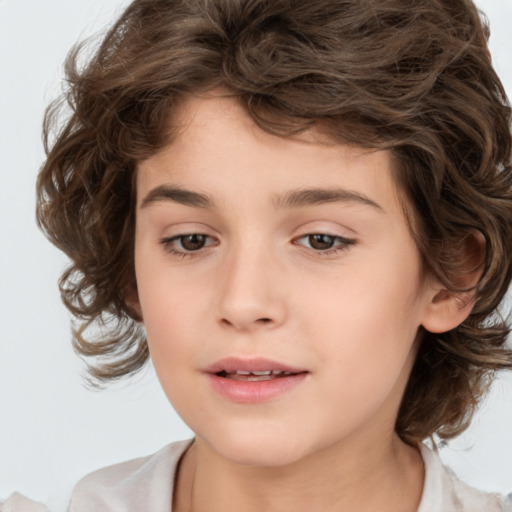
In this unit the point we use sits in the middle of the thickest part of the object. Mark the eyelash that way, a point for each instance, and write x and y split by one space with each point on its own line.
168 245
344 244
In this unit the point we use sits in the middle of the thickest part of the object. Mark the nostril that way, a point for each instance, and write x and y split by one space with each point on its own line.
248 322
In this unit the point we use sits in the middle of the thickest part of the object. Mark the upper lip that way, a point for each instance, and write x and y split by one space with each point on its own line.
232 364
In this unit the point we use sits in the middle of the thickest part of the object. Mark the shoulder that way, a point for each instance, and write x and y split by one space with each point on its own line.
443 491
132 485
18 503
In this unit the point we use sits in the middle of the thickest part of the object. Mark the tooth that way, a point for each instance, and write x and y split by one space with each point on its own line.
258 378
277 372
267 372
242 372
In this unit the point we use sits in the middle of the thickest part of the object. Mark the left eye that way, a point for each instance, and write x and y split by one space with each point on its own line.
187 243
323 242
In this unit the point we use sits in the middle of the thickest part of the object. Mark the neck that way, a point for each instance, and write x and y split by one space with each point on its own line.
384 476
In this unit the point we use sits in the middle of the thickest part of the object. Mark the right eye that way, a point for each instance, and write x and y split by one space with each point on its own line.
183 245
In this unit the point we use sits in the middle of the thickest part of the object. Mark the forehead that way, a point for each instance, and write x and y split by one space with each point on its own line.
216 148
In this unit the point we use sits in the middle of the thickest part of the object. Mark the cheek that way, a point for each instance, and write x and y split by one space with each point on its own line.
365 352
366 320
170 334
170 319
166 293
166 311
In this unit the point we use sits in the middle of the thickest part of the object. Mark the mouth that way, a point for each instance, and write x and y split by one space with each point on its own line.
254 376
253 380
254 369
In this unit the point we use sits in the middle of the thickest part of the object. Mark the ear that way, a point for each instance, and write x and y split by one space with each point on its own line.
447 309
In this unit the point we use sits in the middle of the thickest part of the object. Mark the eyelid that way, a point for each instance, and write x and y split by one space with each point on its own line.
171 244
168 244
344 244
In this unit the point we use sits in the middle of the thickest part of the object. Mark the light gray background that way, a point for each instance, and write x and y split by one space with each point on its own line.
52 429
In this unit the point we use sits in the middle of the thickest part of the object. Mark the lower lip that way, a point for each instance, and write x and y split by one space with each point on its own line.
251 392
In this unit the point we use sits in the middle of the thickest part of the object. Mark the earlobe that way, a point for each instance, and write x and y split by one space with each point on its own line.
448 309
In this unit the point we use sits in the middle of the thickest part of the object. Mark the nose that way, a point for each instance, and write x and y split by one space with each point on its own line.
252 292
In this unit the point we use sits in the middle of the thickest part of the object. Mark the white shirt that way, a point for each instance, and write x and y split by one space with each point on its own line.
143 484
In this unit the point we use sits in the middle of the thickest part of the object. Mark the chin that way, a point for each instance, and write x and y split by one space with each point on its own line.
256 447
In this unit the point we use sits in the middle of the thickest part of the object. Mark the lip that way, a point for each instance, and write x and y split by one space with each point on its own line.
259 364
253 392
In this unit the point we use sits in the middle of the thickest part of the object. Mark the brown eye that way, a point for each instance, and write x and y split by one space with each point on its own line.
192 242
321 242
324 244
188 244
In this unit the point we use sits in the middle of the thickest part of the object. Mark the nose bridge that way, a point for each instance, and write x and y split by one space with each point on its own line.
249 295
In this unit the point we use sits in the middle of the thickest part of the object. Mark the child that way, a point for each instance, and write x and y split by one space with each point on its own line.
303 212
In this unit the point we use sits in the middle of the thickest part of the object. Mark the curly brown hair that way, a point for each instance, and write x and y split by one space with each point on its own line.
417 81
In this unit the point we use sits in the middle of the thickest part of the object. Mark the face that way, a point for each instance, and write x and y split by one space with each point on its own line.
279 286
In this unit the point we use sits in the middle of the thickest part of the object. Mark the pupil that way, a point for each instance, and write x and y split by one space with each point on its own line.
321 242
193 242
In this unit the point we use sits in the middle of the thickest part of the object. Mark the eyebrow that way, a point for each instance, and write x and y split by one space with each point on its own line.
290 199
308 197
177 195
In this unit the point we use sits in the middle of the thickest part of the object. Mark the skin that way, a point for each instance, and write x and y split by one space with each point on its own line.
349 315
